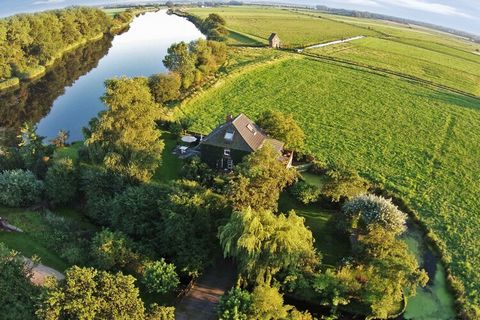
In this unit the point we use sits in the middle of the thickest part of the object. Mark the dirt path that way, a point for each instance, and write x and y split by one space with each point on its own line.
321 45
201 301
41 272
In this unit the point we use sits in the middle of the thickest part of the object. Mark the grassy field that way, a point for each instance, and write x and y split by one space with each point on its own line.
295 29
452 67
415 51
419 143
31 241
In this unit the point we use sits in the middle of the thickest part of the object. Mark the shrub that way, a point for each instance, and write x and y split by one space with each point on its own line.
19 188
236 304
343 183
157 312
160 277
365 212
112 250
61 182
305 193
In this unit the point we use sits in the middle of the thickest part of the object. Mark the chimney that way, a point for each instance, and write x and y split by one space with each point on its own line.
229 118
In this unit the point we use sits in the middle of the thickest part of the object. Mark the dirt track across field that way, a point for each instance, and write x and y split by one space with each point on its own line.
201 301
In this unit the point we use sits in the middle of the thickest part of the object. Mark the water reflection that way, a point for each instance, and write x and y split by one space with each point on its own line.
64 99
32 100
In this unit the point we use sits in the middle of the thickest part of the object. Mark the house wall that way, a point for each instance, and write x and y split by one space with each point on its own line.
213 155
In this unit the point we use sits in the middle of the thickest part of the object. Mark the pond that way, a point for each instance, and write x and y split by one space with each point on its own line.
68 96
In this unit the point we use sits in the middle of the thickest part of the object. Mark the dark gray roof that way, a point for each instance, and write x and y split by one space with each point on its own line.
247 136
272 36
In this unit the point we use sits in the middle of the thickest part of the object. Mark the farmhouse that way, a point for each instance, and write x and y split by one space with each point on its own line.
227 144
274 41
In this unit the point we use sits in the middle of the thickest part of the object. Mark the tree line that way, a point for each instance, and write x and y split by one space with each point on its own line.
32 41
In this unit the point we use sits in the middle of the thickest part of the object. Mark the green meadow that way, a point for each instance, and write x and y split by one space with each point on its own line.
251 25
416 142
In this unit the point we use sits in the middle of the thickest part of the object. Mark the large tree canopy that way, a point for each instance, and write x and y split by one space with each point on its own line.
90 294
124 137
264 244
283 127
260 179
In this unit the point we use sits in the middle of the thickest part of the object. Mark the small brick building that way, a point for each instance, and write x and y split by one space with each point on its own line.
274 41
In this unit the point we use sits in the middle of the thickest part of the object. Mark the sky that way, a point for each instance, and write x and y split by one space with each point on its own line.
459 14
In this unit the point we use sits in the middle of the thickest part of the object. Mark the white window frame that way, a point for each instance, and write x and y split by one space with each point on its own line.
227 152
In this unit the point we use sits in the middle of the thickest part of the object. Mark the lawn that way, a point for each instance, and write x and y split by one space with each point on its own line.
418 143
333 245
171 165
30 242
295 29
450 67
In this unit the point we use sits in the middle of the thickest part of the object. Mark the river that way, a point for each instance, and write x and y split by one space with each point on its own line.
68 96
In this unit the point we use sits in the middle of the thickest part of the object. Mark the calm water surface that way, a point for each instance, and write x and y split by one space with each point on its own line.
137 52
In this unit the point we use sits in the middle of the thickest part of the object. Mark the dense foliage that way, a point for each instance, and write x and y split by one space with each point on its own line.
195 61
260 179
124 138
264 244
61 182
305 192
284 128
87 293
112 250
30 42
17 293
160 277
19 188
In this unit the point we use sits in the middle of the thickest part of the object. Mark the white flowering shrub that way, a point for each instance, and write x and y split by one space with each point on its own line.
368 211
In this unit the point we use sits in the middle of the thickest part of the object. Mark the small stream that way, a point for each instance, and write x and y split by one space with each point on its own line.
435 301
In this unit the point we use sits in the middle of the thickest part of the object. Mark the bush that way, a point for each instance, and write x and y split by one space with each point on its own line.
61 182
305 193
236 304
19 188
112 250
157 312
160 277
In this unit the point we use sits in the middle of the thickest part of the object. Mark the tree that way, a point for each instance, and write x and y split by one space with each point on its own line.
17 293
19 188
236 304
179 59
125 138
260 179
87 293
112 250
160 277
267 304
165 87
214 27
283 127
157 312
32 149
264 244
305 193
61 181
343 183
61 139
367 212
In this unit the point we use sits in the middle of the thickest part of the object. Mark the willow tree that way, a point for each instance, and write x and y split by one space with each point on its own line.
124 137
264 244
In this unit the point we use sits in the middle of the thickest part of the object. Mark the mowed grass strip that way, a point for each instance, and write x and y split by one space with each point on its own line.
448 68
419 143
294 29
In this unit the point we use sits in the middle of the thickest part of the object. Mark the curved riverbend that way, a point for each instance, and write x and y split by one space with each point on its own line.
137 52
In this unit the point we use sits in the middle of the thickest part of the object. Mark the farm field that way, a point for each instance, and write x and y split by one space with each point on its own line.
295 29
419 143
459 70
415 51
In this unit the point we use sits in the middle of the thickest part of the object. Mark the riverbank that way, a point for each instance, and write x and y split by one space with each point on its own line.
39 71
